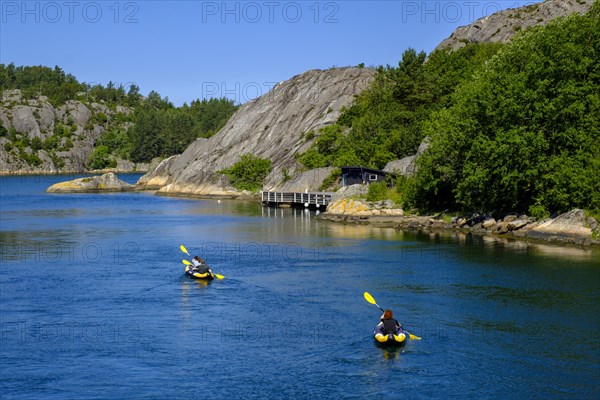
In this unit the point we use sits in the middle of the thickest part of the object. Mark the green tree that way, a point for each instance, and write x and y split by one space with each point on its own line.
100 159
39 80
159 129
145 136
386 121
377 191
117 141
524 134
248 173
210 115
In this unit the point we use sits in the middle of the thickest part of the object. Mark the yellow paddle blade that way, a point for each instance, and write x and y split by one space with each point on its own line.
218 276
186 262
369 298
414 337
182 247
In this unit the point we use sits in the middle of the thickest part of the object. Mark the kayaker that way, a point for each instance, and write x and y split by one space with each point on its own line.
390 325
199 265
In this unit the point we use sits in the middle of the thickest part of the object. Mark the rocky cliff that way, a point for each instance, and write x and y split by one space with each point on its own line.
37 137
503 25
277 125
273 126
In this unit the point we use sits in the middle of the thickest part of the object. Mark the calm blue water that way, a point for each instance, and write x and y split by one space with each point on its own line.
94 305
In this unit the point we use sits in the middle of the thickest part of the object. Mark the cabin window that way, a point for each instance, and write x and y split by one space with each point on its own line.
372 177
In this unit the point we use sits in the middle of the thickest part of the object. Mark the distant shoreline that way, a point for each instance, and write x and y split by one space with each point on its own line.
528 231
62 173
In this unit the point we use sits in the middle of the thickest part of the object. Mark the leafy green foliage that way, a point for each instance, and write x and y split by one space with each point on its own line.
331 182
377 191
248 173
386 121
36 144
162 130
524 134
117 141
100 159
209 115
325 148
30 158
59 86
33 81
3 130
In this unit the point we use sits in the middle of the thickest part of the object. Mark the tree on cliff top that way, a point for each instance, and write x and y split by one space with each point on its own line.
385 122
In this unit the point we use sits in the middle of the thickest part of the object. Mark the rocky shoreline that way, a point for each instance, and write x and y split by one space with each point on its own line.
572 227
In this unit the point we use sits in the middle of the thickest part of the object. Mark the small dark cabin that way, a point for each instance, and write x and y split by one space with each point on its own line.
360 175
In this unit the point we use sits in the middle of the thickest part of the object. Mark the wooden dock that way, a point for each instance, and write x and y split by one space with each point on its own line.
297 199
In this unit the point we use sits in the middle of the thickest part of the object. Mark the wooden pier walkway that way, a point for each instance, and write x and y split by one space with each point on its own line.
297 199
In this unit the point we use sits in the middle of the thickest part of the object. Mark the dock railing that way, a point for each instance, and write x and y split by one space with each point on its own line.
297 198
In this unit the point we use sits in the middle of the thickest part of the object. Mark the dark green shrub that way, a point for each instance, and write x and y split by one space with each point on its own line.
99 159
248 173
377 191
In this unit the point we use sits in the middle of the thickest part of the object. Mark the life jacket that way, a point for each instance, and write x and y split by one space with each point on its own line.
390 326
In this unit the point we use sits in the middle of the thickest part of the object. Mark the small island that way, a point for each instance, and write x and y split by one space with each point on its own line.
104 183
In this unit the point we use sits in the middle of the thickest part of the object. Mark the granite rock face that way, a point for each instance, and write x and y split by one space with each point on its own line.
503 25
23 121
158 175
309 181
273 126
408 165
41 138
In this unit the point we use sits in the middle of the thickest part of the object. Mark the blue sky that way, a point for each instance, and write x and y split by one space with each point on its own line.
238 49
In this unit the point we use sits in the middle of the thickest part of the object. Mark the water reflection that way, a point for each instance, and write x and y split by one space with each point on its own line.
392 353
304 222
225 207
520 246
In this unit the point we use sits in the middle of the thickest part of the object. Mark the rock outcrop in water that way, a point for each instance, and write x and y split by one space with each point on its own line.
503 25
273 126
104 183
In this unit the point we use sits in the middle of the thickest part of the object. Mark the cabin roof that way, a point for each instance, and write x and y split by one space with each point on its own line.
365 169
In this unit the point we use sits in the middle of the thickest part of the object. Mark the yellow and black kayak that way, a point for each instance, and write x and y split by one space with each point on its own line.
385 339
208 276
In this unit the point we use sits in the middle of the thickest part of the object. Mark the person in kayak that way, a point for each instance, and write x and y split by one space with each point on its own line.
199 265
390 325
